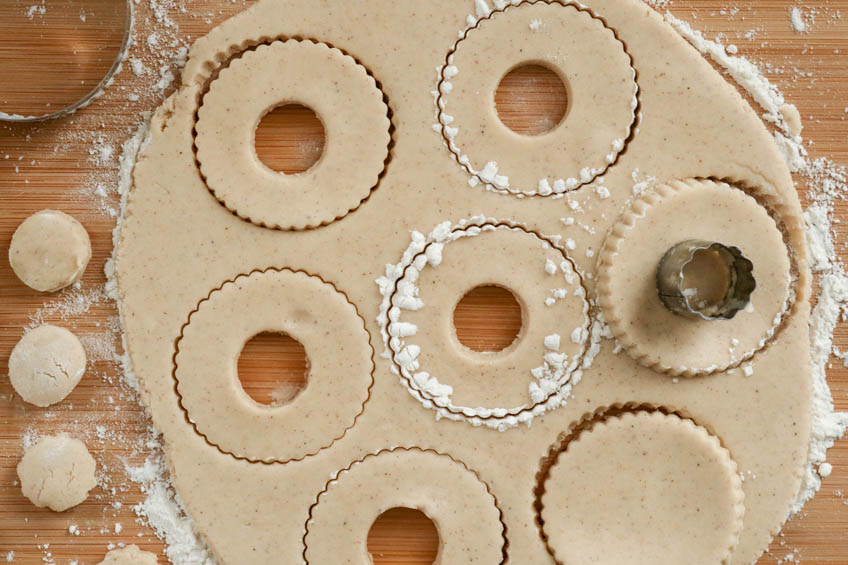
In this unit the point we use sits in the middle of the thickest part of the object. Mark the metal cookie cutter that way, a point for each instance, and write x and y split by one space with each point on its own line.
725 275
95 92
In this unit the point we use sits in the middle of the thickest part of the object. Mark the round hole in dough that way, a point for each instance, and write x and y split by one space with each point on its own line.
49 251
488 318
290 139
531 99
642 488
129 555
409 528
273 368
57 472
46 364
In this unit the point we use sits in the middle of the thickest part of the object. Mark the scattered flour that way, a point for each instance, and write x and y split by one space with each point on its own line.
163 511
801 21
826 183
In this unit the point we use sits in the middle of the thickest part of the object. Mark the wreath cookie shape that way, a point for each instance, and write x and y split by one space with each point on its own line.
337 529
207 356
568 39
544 362
348 103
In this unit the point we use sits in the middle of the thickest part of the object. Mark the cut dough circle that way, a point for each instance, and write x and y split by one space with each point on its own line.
470 527
345 98
311 311
46 364
57 472
49 251
129 555
572 42
627 290
643 488
538 366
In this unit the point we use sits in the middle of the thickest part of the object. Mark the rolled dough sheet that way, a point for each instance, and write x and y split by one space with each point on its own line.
179 243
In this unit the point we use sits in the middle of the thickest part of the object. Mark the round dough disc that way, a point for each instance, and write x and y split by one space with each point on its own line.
57 472
643 488
49 251
46 364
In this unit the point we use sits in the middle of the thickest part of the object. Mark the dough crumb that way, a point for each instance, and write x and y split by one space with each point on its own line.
129 555
57 472
46 365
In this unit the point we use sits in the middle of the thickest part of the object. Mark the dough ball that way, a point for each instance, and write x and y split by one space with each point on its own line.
57 472
49 251
129 555
46 365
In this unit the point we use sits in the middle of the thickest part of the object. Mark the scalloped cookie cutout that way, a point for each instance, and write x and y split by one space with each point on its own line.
292 302
643 488
597 124
627 285
470 527
536 372
346 99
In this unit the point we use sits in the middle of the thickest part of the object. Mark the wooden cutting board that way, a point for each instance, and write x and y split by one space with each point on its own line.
60 165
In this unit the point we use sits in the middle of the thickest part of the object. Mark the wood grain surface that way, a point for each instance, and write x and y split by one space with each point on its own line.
71 165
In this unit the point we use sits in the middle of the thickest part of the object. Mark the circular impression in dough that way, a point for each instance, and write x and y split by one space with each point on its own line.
536 372
470 527
567 39
129 555
46 364
642 488
311 311
57 472
627 284
345 98
49 251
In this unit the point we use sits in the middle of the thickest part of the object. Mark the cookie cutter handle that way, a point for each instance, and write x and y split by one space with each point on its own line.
679 297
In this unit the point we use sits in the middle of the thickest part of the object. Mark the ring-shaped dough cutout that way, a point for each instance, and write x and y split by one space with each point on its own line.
470 527
304 307
568 40
345 98
536 371
627 288
643 488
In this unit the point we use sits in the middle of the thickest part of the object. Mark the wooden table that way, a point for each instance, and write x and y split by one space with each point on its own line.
60 165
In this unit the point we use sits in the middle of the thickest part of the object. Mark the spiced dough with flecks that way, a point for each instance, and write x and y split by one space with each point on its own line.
46 365
57 472
259 493
49 251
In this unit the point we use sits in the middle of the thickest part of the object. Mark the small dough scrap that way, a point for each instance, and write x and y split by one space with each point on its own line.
49 251
57 472
129 555
643 488
46 364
